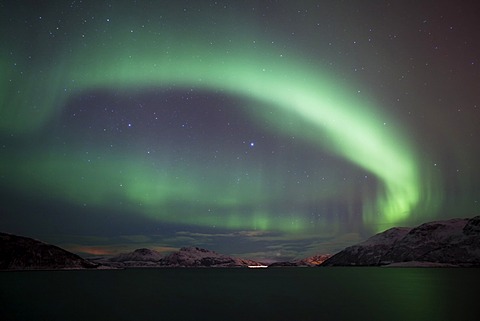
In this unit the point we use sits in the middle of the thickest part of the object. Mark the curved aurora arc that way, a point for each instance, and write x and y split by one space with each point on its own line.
342 123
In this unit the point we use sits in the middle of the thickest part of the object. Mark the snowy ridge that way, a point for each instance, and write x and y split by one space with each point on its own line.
138 258
198 257
185 257
138 255
454 242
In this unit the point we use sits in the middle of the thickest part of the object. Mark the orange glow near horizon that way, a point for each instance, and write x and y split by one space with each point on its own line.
94 250
107 250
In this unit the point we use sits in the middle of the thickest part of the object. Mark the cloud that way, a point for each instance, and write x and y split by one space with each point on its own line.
331 246
265 246
268 256
292 247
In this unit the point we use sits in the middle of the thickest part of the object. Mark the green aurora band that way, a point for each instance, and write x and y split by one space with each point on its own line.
337 118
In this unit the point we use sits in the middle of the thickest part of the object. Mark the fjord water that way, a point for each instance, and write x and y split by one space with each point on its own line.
242 294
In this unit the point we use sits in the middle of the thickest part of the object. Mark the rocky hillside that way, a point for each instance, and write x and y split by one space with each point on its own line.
198 257
23 253
454 242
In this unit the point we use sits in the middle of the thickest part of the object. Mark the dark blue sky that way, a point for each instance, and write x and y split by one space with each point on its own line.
268 130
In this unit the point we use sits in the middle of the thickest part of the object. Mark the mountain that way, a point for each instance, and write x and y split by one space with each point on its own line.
315 260
138 258
23 253
306 262
198 257
185 257
454 242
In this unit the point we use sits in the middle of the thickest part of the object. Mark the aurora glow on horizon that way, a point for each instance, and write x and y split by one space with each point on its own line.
174 117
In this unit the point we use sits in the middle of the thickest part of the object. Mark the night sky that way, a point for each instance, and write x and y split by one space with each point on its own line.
265 129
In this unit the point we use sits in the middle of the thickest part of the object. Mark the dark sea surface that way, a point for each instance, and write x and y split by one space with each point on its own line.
242 294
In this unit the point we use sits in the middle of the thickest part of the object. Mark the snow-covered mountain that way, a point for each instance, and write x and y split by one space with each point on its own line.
449 242
23 253
138 258
185 257
198 257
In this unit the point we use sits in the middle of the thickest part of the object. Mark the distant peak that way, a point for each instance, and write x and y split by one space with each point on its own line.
144 251
195 249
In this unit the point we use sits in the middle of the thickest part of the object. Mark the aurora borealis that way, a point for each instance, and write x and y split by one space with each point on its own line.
275 129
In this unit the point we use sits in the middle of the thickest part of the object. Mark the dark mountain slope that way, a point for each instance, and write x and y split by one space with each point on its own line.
23 253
